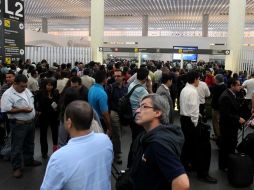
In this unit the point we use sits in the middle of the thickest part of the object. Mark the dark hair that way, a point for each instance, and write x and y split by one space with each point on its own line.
63 66
232 82
33 73
74 71
235 76
68 65
192 76
117 65
100 76
64 74
86 71
47 81
219 78
69 96
165 77
10 72
76 79
118 70
142 73
20 78
80 113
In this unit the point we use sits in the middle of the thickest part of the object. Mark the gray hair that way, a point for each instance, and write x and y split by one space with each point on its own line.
160 103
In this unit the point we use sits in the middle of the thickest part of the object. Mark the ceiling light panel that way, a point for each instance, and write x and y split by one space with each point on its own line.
169 15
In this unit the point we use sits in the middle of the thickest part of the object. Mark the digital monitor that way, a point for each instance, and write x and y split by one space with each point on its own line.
186 57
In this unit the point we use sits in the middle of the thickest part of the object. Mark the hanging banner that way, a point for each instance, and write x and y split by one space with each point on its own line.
13 30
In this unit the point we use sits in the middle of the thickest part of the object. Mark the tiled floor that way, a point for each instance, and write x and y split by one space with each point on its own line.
33 176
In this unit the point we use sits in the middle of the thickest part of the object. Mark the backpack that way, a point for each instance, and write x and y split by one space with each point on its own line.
125 110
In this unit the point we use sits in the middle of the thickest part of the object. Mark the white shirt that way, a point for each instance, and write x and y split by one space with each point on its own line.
32 84
189 103
12 99
203 92
157 76
61 84
249 85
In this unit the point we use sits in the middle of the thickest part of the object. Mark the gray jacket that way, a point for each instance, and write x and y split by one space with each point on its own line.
166 93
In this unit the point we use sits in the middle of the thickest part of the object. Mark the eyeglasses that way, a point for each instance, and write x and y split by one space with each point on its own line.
142 107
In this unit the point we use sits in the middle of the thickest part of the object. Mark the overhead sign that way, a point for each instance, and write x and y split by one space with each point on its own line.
165 50
12 30
14 9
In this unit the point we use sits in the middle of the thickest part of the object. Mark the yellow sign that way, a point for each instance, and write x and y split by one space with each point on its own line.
180 51
7 23
136 50
8 60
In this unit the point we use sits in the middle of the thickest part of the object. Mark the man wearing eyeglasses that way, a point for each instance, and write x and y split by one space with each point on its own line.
141 91
155 155
117 90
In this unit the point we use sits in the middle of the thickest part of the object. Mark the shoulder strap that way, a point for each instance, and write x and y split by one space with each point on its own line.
132 90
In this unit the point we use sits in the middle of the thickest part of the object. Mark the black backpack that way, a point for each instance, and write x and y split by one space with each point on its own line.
125 110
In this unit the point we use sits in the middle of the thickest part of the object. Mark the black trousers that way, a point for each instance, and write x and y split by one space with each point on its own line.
44 124
196 151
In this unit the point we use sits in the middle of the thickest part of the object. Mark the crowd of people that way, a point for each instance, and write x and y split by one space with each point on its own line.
80 104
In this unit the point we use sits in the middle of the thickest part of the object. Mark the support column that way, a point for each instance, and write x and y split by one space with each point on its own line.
145 25
205 21
97 29
44 25
235 33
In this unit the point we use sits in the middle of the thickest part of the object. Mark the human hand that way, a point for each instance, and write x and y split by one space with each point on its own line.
27 110
109 132
241 120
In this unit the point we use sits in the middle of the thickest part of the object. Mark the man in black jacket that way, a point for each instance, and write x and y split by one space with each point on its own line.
156 152
216 92
230 121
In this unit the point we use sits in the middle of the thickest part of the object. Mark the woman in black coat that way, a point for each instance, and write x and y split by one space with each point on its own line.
47 106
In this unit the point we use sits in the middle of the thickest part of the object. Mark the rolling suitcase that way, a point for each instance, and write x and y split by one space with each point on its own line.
240 168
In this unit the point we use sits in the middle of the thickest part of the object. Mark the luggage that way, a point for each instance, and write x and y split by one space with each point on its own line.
240 168
247 145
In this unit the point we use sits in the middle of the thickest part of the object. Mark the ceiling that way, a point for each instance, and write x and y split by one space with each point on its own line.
164 15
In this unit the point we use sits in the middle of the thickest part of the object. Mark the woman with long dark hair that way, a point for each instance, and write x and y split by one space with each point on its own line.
47 107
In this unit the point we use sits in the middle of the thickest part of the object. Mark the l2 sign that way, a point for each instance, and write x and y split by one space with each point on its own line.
12 31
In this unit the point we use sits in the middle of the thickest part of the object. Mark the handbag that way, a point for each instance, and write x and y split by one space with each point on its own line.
123 179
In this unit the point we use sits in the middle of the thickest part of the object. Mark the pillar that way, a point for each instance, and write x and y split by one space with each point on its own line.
235 33
145 25
97 29
44 25
205 21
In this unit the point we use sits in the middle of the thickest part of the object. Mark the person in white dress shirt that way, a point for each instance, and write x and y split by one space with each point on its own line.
203 93
194 154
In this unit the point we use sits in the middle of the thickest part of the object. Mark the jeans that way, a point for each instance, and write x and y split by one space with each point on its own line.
22 143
